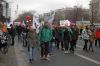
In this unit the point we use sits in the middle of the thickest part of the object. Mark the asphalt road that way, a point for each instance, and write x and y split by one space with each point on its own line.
8 59
17 56
79 58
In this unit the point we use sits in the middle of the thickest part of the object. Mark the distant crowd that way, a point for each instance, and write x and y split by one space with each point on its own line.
63 38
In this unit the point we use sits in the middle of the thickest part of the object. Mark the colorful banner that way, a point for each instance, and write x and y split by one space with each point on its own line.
49 17
64 23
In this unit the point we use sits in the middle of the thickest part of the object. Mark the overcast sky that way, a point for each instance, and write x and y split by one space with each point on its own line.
42 6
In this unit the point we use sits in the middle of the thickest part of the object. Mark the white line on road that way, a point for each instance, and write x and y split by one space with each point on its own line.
87 58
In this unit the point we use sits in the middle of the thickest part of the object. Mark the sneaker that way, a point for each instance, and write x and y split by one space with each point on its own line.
66 52
47 59
49 55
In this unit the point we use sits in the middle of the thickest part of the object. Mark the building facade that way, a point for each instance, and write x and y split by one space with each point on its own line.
5 10
95 10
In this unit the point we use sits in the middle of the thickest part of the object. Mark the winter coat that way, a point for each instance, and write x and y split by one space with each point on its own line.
45 34
31 37
12 32
85 34
19 29
92 37
66 35
73 34
57 36
4 28
61 34
97 34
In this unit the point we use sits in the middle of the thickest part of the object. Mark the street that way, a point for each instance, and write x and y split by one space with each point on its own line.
17 56
80 58
8 59
29 27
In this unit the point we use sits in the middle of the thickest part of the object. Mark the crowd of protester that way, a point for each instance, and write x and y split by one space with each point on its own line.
62 38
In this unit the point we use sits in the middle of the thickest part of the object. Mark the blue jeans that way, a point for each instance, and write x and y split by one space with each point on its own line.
50 47
31 52
44 49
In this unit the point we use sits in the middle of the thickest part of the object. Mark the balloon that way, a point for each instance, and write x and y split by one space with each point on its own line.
28 17
72 24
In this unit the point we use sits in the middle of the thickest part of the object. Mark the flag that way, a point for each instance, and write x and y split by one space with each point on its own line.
23 23
36 24
49 17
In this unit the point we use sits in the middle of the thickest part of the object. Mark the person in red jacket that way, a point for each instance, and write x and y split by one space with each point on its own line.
97 37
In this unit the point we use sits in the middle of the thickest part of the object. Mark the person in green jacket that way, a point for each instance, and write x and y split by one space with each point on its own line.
45 36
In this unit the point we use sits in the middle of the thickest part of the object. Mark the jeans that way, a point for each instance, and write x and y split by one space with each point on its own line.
13 40
24 40
44 49
91 46
72 45
18 38
97 41
58 42
31 53
66 44
50 47
85 45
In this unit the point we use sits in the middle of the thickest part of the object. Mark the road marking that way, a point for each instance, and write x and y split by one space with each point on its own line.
87 58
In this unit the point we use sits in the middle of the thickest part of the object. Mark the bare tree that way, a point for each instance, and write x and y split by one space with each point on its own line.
94 12
22 17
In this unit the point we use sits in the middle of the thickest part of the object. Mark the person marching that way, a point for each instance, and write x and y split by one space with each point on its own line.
45 36
74 37
97 41
91 39
85 37
12 33
66 39
31 36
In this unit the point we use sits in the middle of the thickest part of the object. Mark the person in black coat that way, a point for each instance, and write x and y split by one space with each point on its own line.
57 37
12 33
66 39
73 38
